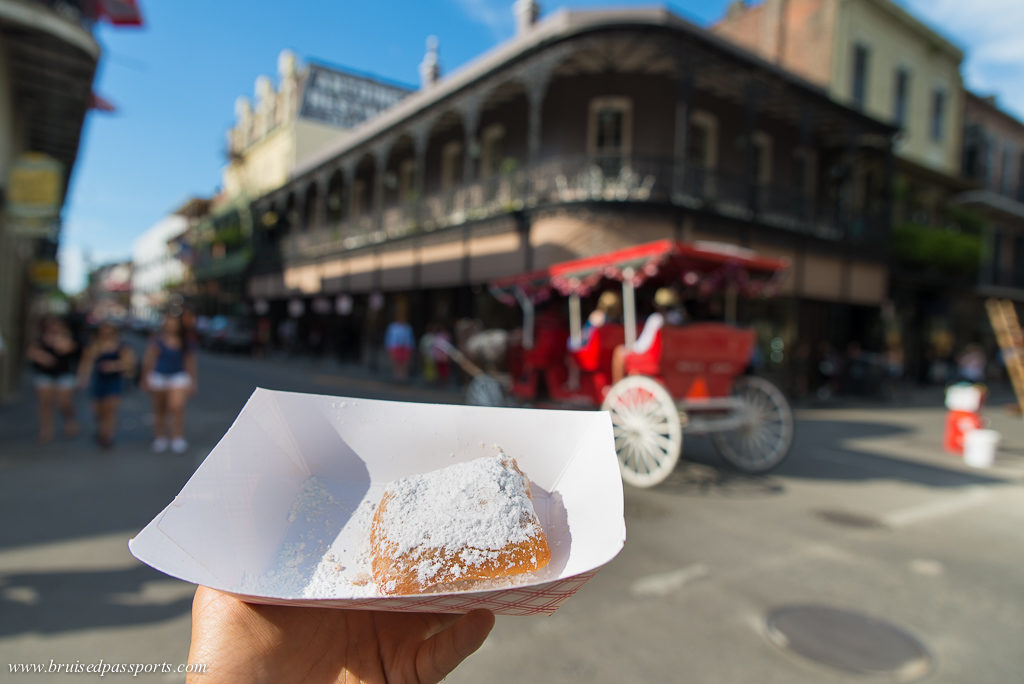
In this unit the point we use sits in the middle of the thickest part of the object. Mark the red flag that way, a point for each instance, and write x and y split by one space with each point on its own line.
121 12
101 104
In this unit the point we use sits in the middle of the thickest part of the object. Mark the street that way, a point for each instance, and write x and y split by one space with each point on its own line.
867 515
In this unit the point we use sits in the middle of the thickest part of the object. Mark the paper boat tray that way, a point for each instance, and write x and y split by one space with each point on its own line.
247 521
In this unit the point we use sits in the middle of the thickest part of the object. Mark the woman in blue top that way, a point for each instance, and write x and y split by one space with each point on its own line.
106 362
170 375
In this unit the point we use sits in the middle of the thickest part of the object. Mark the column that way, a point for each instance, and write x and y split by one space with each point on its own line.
888 191
536 76
320 210
380 160
684 87
420 138
470 124
348 184
749 125
806 207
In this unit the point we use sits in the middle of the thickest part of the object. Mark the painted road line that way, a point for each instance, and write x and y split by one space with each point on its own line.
664 583
972 497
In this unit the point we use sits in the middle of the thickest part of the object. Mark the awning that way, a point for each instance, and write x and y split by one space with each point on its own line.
706 266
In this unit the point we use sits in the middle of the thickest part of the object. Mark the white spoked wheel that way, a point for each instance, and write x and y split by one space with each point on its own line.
484 390
648 433
763 439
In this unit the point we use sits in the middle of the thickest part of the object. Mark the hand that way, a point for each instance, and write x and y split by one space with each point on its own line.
245 642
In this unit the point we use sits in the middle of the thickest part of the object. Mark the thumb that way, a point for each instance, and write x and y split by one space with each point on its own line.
441 653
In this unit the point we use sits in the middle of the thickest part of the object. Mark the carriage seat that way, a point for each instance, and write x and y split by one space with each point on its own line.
714 353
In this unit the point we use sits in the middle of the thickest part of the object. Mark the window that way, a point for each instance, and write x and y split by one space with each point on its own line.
1020 179
972 157
701 154
451 163
803 172
491 148
762 158
859 89
610 138
901 91
938 114
701 148
1006 171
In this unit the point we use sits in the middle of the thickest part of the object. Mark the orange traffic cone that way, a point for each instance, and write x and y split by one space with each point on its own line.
698 389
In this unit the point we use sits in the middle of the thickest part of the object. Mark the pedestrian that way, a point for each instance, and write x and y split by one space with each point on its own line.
54 356
440 343
399 342
170 375
106 362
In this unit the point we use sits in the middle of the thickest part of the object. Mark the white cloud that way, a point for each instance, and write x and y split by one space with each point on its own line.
990 33
496 16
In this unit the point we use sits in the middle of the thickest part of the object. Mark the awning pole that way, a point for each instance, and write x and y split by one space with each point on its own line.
527 306
730 304
629 308
575 329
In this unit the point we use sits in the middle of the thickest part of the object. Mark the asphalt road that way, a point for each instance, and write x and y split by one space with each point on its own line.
866 515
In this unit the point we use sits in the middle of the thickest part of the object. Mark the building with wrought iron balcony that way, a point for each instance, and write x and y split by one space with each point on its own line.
994 161
588 131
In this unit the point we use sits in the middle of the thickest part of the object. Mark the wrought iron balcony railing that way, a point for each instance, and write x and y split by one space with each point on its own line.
568 180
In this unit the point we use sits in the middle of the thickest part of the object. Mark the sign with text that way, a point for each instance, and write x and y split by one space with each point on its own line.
35 188
342 99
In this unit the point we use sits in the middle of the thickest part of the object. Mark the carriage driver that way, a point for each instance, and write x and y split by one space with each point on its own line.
647 348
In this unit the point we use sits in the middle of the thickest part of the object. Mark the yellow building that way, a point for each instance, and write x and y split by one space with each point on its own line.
875 57
309 109
313 107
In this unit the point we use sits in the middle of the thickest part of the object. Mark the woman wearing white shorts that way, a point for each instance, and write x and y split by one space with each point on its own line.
170 373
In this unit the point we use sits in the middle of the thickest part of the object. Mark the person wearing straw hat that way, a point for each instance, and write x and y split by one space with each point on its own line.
646 351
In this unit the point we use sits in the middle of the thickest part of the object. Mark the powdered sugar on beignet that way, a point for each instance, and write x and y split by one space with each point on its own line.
468 521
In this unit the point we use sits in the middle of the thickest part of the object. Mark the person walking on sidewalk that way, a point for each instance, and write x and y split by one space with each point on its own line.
170 375
105 364
54 358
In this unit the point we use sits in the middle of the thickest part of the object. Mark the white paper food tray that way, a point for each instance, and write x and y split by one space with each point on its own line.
293 477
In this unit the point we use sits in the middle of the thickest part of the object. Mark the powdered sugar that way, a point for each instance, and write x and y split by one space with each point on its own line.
421 513
327 552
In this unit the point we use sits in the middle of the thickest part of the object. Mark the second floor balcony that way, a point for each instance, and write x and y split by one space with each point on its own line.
685 124
596 181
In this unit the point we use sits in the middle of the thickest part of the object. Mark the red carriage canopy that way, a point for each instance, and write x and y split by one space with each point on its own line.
707 266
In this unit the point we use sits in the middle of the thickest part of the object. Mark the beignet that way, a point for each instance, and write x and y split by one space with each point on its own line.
469 521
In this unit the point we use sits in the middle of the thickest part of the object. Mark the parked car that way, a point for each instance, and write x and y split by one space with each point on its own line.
230 334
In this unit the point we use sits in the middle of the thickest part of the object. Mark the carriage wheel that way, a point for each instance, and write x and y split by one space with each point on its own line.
648 434
764 438
484 390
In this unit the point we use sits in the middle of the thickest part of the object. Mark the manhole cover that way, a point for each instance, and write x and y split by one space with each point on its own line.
849 519
849 641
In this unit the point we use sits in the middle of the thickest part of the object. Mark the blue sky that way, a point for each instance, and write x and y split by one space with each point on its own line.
176 80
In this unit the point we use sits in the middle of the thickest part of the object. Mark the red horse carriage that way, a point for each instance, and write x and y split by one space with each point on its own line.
690 377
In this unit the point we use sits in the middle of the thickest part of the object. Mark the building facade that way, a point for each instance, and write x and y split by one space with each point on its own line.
993 160
875 57
588 131
48 58
313 106
162 261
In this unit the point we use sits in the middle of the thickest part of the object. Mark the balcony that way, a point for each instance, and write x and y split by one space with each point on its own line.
587 180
